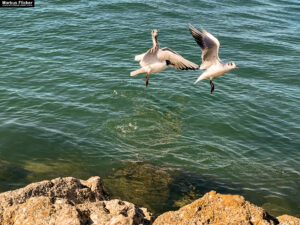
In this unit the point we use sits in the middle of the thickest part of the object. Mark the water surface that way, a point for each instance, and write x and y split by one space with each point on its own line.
70 108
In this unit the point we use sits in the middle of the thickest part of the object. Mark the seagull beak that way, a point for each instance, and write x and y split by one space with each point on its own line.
236 67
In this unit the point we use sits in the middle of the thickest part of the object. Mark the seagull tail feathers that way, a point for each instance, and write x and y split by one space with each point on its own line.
201 77
136 72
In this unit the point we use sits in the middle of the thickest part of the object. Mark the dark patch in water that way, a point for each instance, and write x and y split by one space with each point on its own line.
12 176
158 188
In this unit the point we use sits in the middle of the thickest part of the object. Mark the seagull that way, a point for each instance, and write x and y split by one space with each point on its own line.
211 62
157 59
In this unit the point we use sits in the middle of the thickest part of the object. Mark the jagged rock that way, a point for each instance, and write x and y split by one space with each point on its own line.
67 201
42 211
288 220
116 212
214 208
70 201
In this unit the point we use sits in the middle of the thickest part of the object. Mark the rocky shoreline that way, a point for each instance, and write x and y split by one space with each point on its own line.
73 201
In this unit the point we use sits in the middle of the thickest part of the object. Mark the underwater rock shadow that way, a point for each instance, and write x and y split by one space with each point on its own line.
159 188
12 176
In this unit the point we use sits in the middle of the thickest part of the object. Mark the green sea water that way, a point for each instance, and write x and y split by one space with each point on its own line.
68 106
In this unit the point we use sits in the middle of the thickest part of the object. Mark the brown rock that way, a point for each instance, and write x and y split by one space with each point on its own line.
288 220
67 201
115 212
70 201
40 210
215 208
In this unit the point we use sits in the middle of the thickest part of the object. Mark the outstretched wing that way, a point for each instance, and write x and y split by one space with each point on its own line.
175 60
149 57
209 46
139 57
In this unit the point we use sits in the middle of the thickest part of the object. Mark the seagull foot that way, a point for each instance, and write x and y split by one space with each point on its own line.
147 79
212 86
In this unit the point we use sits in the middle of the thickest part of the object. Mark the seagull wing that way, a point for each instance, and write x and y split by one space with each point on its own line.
175 60
150 57
139 57
209 46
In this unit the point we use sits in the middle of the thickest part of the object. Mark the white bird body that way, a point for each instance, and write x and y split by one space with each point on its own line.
211 62
214 71
156 60
151 68
156 67
153 64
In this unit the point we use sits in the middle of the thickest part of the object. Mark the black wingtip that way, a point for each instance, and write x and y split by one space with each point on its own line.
191 27
197 35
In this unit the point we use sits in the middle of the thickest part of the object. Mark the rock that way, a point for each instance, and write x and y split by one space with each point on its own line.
288 220
214 208
43 211
71 201
67 201
117 212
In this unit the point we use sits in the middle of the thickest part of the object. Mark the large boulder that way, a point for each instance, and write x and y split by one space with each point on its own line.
214 208
67 201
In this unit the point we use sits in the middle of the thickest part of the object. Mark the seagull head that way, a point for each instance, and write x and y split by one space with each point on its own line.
154 33
231 65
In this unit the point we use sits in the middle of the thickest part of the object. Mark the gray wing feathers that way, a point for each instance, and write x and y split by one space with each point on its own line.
150 56
209 46
175 60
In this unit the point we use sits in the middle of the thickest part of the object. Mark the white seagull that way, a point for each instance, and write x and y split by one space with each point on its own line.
211 62
156 60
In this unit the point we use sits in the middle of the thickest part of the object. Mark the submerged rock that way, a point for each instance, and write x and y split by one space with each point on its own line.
67 201
142 184
157 188
214 208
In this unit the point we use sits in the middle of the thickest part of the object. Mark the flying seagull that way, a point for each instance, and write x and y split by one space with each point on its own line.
157 59
211 62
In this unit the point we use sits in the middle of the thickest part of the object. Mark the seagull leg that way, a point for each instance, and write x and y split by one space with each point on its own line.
147 79
212 86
